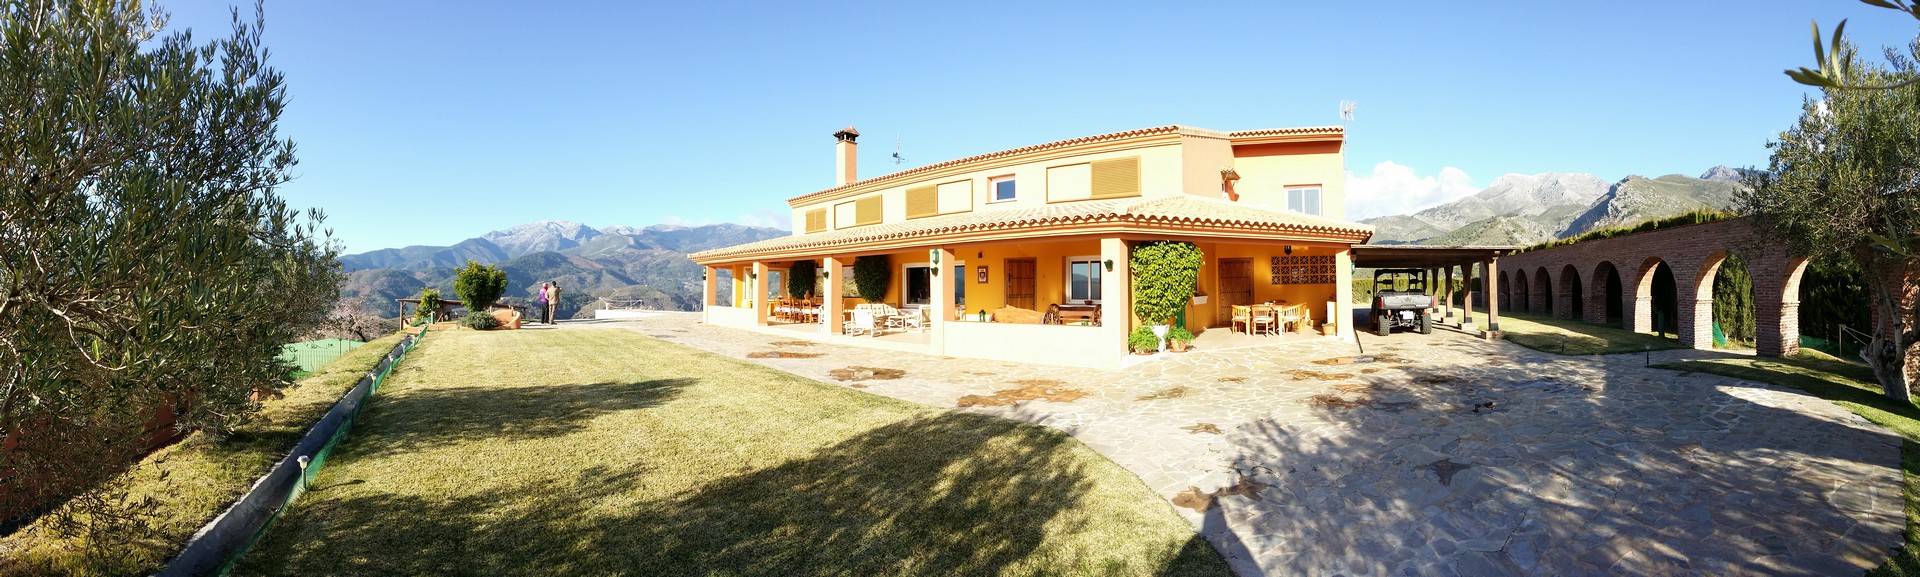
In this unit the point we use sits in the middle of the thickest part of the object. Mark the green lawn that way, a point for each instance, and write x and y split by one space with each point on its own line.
1851 386
605 452
185 485
1544 333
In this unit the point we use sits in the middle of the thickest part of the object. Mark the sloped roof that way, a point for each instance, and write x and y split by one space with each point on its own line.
1148 213
1111 136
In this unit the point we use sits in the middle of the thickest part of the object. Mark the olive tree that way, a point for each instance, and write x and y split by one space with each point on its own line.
1832 65
1844 186
145 258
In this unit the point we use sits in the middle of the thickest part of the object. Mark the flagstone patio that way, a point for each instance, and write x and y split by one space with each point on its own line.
1445 455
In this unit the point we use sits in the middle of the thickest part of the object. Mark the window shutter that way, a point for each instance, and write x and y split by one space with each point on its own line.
866 211
1116 178
923 201
817 220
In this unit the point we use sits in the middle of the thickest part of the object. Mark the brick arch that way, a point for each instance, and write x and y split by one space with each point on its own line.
1569 303
1599 298
1692 253
1542 297
1520 289
1699 333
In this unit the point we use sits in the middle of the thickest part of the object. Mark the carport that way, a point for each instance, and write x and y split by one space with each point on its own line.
1439 262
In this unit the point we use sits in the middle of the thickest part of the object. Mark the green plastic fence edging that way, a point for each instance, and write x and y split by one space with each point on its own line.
320 457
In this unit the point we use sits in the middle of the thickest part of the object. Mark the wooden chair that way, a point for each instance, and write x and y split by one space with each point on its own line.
1053 315
1242 319
1096 316
1264 320
1289 318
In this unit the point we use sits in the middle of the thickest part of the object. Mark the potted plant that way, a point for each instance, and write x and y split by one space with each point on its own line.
1178 339
1164 275
1142 341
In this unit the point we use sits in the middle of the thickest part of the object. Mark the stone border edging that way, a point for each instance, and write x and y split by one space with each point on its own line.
223 539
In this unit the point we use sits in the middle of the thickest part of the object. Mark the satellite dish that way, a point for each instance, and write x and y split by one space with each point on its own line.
1346 110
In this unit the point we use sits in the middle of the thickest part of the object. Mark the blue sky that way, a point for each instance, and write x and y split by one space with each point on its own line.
428 122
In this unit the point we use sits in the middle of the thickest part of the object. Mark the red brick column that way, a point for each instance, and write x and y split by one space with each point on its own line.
1778 334
1564 306
1696 323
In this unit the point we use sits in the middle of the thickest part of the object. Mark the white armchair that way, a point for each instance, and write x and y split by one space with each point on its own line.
862 323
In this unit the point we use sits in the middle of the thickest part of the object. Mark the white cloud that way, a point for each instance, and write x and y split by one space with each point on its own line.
1394 188
767 217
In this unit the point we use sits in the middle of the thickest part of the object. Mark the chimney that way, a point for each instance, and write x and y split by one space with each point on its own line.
845 164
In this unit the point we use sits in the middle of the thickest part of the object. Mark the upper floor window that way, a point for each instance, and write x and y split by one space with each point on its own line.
1002 187
1304 200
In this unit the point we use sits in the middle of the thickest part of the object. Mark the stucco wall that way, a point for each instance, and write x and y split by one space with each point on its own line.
1266 170
1076 346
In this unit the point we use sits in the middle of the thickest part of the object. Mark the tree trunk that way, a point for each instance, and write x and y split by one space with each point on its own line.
1886 353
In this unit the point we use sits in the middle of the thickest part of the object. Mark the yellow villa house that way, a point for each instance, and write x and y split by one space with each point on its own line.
983 248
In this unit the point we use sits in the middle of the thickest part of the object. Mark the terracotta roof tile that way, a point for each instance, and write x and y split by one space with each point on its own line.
1178 210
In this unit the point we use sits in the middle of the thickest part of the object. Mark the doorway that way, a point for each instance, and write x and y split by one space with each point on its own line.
1020 283
1236 286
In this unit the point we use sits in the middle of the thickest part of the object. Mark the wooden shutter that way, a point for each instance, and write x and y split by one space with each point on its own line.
1116 178
866 211
923 201
817 220
1020 283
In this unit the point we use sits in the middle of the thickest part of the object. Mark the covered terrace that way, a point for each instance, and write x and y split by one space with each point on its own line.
1446 262
981 279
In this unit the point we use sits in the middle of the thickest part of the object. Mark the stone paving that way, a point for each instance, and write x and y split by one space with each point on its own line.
1447 455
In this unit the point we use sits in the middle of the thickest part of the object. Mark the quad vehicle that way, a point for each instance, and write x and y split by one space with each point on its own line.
1395 307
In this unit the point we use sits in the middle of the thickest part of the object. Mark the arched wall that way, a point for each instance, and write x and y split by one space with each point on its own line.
1522 290
1569 304
1542 297
1693 253
1597 297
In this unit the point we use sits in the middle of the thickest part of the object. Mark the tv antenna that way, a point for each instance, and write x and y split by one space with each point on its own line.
897 159
1346 110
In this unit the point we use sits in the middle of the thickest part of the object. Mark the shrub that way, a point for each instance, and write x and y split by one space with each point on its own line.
871 275
1733 300
1142 340
1179 334
1164 275
801 278
429 302
479 285
479 320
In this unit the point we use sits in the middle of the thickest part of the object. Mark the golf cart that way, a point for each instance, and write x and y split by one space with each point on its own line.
1403 307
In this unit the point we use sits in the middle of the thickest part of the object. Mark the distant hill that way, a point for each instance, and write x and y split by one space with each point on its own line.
1523 209
648 264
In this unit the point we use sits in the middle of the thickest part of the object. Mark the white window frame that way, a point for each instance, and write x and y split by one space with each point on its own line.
993 188
1317 194
1067 280
936 278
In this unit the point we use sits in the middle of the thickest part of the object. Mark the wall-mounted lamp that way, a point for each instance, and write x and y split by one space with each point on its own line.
824 274
1109 263
979 255
753 275
936 257
1288 249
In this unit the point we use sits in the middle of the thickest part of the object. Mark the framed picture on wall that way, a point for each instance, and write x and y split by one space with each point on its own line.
981 277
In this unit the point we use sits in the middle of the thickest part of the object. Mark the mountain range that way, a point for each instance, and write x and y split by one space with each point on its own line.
1522 209
648 265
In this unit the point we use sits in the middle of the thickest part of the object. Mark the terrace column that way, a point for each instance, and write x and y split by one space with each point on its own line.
1116 297
1466 296
739 281
942 297
759 280
1493 303
830 311
710 283
1343 291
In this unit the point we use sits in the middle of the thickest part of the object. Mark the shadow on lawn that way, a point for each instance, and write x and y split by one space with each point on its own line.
944 495
433 416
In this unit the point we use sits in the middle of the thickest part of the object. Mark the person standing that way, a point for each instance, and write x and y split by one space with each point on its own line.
553 301
541 301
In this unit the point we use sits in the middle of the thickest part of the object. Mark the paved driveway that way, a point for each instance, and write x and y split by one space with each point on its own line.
1447 455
